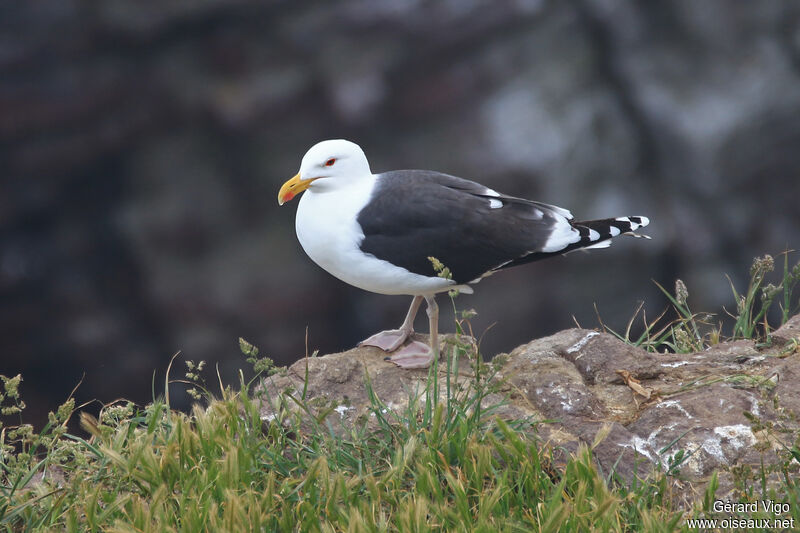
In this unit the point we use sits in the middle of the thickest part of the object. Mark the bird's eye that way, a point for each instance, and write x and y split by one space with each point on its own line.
330 162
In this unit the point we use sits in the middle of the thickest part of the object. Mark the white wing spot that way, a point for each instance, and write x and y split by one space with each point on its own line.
593 235
614 231
491 192
495 204
560 210
561 236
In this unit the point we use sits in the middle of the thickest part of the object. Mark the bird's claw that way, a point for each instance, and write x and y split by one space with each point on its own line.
415 354
388 341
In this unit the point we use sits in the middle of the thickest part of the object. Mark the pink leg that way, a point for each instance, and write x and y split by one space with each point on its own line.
417 354
393 339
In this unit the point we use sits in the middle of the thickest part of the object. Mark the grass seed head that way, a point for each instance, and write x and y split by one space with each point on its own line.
681 292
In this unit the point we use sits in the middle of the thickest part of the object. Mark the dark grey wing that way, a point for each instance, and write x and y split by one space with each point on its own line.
416 214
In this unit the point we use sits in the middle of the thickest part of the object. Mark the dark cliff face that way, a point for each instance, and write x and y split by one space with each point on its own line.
142 144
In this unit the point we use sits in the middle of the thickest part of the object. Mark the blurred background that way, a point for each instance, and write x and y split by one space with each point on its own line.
142 144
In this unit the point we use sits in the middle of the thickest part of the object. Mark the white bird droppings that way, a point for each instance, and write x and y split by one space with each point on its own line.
581 343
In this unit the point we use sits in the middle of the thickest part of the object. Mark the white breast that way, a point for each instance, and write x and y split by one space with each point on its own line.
329 233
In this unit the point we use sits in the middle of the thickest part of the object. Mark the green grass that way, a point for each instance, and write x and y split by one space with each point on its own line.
444 463
693 332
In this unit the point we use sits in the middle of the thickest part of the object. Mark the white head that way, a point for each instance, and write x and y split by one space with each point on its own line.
326 164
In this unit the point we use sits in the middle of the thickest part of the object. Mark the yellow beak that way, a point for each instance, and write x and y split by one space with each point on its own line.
292 188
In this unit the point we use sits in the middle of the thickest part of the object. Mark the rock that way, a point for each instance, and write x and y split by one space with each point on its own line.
727 408
788 333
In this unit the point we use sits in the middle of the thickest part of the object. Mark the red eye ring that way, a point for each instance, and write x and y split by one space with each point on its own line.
330 162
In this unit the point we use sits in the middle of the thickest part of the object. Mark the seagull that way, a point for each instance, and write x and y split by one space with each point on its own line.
385 233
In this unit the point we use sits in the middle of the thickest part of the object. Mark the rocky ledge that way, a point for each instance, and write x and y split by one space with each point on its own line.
730 408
